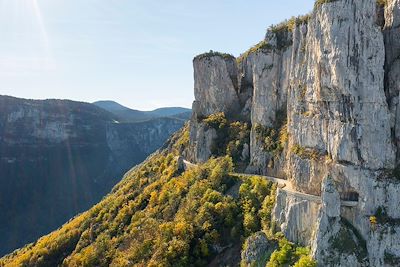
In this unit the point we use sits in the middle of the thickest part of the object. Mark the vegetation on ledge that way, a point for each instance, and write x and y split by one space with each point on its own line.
285 26
232 136
290 24
391 174
307 153
319 3
273 139
212 53
261 46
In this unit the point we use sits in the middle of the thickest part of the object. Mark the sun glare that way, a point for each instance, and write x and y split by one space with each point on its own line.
23 22
39 18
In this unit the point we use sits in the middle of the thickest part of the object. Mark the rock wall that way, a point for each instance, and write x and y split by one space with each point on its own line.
216 85
216 89
266 72
131 143
333 82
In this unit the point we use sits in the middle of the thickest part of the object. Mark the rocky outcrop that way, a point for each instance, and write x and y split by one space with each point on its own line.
216 85
256 250
330 85
216 89
203 139
336 243
296 217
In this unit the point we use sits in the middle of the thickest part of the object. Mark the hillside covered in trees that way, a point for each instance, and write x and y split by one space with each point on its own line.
159 215
59 157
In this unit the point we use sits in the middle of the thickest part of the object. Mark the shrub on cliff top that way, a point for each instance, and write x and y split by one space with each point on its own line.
263 45
319 3
290 24
212 53
287 25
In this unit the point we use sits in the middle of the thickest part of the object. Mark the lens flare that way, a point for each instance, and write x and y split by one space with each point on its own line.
43 33
39 18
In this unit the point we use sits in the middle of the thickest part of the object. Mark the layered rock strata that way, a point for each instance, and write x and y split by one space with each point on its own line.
328 84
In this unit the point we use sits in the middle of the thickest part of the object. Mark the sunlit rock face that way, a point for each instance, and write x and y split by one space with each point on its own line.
216 89
343 114
333 82
216 85
58 158
265 72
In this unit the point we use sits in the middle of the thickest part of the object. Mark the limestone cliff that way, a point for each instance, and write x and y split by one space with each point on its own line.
327 85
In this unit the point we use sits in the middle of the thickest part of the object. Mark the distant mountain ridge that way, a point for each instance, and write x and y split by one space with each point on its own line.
110 105
125 114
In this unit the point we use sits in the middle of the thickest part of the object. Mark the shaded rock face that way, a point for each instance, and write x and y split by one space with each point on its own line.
335 79
392 64
133 142
58 158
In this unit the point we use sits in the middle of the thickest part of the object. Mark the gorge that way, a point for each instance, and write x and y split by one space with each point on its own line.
59 157
315 104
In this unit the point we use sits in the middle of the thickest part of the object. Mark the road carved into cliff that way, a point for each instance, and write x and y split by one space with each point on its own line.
283 185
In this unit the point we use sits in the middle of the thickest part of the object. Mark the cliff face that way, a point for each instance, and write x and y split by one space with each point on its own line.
58 158
133 142
329 84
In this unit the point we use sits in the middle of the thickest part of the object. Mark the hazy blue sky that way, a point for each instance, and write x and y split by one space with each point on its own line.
136 52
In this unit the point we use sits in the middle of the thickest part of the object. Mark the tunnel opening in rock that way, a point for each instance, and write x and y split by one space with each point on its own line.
349 196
